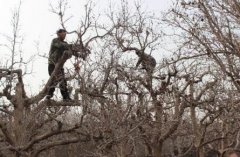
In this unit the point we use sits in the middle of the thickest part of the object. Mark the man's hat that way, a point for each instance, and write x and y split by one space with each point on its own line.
61 30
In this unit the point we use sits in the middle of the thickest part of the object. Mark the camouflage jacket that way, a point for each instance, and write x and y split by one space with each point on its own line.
56 50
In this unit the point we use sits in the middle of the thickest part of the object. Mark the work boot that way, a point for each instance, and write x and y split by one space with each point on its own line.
48 97
67 99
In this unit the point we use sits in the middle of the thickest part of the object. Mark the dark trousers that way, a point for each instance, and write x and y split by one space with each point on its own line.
61 80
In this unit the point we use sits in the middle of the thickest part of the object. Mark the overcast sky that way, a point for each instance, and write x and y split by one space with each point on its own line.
38 25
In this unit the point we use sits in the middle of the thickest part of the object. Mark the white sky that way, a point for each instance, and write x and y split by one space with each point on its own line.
38 24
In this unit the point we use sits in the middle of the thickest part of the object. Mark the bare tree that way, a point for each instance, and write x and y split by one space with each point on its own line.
208 34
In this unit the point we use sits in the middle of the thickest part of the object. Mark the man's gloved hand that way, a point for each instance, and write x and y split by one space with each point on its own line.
80 51
76 48
82 55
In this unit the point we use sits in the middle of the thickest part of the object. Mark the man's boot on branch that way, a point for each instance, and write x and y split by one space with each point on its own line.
48 97
67 98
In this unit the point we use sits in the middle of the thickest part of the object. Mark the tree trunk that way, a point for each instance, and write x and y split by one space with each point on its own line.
195 126
200 152
157 150
18 117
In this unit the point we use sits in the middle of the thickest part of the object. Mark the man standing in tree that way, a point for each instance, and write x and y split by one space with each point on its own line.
58 46
147 61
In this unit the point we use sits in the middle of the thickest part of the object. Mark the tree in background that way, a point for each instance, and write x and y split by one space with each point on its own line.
208 33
